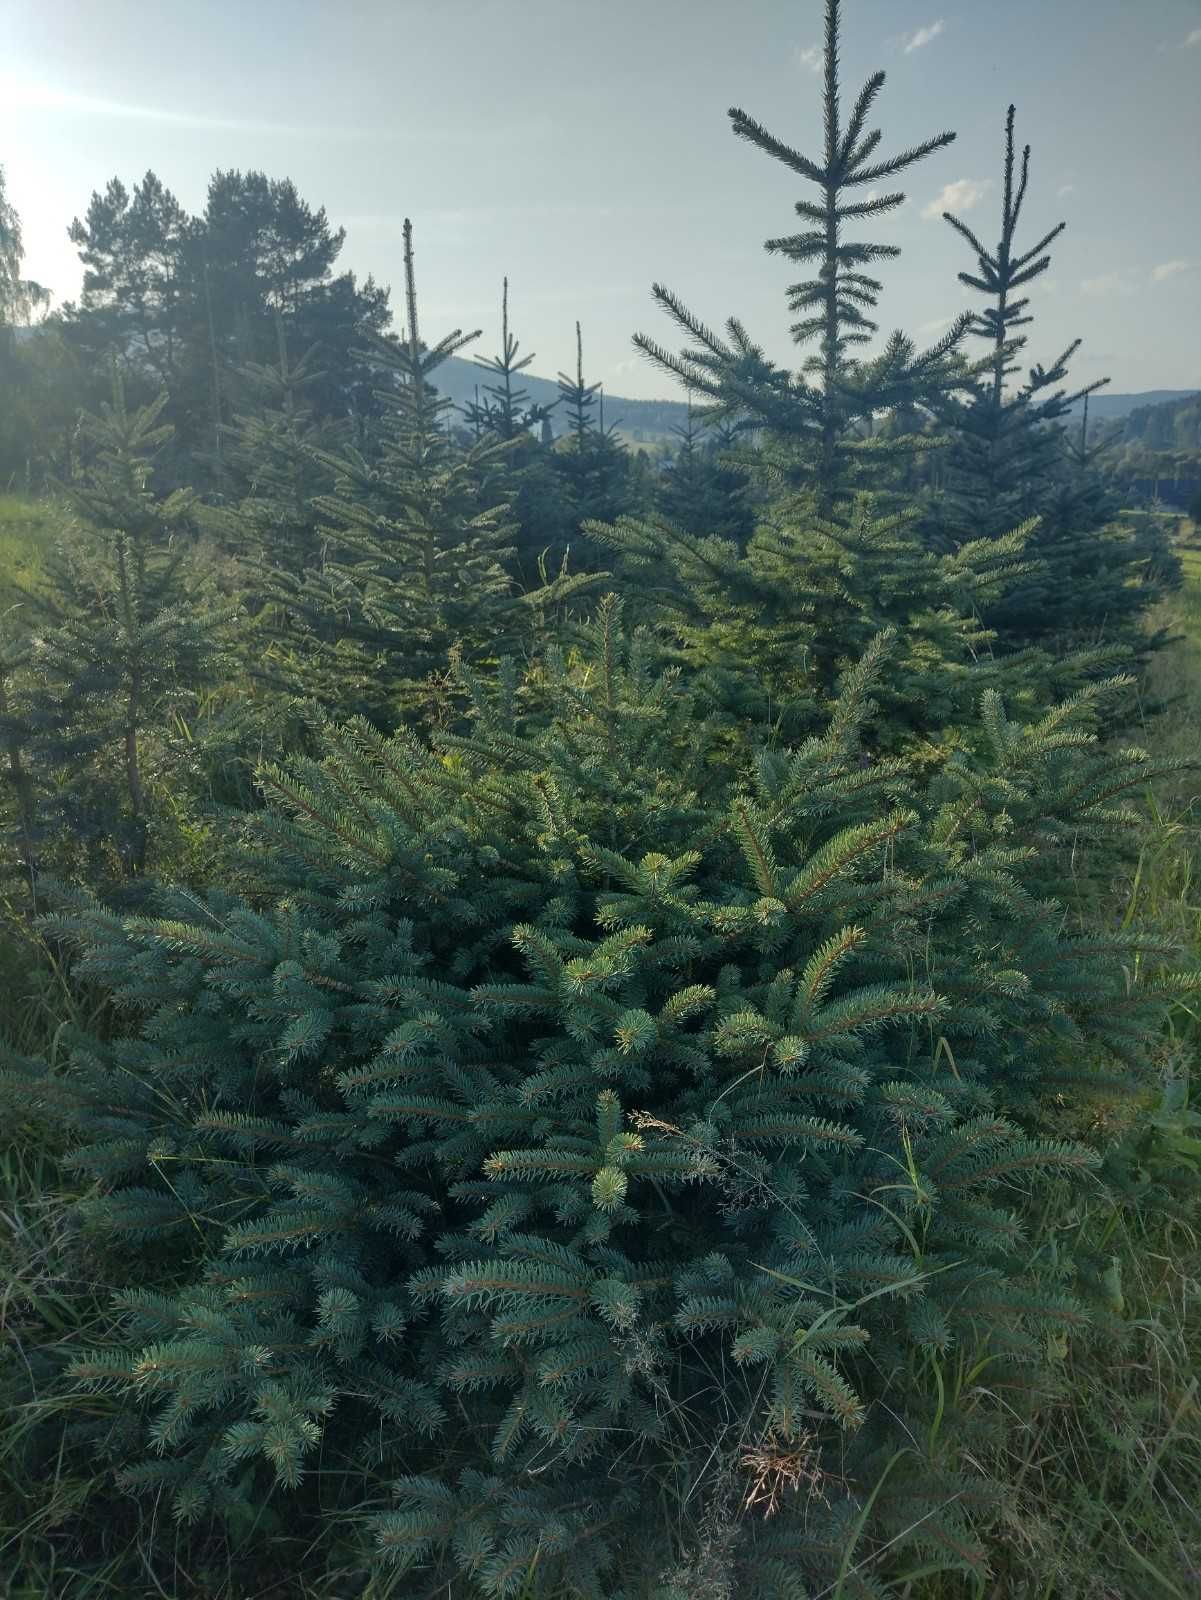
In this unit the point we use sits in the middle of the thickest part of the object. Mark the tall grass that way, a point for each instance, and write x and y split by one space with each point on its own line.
26 528
1107 1477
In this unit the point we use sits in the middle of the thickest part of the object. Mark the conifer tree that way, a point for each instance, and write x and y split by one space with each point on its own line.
117 643
507 410
526 478
273 469
564 1091
419 560
818 421
837 552
1011 461
181 299
700 491
594 464
20 812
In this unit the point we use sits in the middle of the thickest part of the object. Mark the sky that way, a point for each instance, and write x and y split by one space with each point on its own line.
583 148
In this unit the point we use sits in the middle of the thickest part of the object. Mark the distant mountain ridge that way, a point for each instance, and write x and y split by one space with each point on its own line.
1106 407
460 379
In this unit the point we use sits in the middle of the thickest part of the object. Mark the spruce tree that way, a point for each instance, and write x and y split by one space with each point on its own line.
273 470
837 553
1012 462
526 478
506 409
117 644
419 554
700 490
20 813
594 464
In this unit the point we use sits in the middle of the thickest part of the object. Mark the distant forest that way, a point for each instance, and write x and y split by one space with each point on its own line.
1154 451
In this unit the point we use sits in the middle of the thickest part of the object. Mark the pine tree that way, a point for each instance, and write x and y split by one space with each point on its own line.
133 246
550 1076
181 300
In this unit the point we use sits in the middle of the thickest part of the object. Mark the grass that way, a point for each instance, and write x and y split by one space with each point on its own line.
1105 1473
26 527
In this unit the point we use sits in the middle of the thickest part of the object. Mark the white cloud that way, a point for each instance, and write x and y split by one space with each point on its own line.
938 325
1065 189
1107 283
811 57
1193 38
962 195
923 36
1168 269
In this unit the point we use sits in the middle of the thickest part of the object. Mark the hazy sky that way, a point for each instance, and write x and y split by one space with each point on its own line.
582 147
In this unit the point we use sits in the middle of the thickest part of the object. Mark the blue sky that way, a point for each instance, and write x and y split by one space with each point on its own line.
582 147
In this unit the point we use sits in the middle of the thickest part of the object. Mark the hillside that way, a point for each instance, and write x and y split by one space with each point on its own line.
1168 425
1106 407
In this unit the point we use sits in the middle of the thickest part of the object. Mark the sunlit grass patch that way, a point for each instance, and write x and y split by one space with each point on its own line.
26 528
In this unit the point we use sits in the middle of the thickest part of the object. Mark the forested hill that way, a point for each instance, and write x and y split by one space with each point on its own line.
1105 407
1173 424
